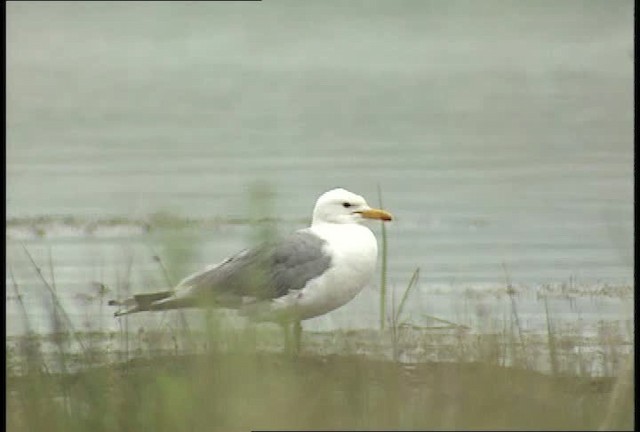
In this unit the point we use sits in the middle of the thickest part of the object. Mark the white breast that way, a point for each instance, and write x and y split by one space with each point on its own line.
354 252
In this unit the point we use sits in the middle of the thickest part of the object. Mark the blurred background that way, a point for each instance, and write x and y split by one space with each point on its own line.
500 135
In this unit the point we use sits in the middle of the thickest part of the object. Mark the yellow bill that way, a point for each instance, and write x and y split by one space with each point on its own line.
374 213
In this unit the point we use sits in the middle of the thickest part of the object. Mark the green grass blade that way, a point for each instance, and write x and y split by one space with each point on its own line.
383 269
412 282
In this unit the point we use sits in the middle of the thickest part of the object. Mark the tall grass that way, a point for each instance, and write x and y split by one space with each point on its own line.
383 268
396 313
551 341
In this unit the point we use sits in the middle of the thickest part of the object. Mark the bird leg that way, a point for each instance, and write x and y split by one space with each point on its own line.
287 337
297 336
292 328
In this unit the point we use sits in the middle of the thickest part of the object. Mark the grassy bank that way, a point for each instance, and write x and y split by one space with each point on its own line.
248 391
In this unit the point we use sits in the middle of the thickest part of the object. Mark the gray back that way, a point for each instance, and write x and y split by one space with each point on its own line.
265 272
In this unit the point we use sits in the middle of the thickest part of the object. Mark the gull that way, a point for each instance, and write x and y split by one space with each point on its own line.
309 273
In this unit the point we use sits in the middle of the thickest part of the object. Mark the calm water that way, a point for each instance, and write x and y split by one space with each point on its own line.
500 134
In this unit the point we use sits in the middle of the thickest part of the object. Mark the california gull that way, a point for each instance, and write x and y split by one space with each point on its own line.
309 273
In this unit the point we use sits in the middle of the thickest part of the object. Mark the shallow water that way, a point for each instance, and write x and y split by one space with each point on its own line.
500 135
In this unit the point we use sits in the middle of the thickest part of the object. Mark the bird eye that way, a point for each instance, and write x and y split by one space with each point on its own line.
346 205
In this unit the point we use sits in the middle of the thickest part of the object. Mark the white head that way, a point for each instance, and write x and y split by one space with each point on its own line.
343 207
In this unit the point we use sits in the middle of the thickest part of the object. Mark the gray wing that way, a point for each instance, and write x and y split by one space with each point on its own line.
266 272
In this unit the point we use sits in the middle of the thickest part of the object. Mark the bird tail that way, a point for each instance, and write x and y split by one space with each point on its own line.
163 300
140 302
